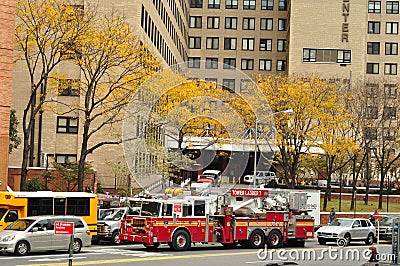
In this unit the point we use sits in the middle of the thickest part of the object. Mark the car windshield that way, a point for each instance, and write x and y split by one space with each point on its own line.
111 214
341 222
2 212
20 225
387 221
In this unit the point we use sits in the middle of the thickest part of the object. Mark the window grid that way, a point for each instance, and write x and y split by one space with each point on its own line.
390 69
212 22
372 68
374 27
68 125
374 6
265 44
248 23
231 4
214 3
267 4
195 22
230 43
392 28
281 46
212 63
282 24
229 63
265 64
391 48
392 7
212 43
249 4
280 65
194 42
266 24
248 44
231 23
373 48
247 64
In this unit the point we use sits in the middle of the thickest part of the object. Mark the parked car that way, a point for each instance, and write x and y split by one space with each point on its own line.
385 229
214 175
350 229
262 177
36 233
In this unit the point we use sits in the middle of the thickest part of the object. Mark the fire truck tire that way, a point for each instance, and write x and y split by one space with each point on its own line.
115 238
257 239
274 239
181 240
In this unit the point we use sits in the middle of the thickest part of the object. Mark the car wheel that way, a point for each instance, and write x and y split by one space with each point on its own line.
321 241
77 246
274 239
347 237
256 239
370 239
181 240
115 238
22 248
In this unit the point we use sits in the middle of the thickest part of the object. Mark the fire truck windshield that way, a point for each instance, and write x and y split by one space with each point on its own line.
148 208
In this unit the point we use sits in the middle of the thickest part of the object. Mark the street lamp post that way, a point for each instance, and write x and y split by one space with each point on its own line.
289 111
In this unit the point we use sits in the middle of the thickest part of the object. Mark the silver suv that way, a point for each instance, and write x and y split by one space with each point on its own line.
357 229
36 233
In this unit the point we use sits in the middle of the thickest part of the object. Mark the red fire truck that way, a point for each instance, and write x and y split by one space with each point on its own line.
249 217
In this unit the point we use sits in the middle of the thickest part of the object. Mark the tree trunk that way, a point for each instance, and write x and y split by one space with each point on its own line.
381 188
24 165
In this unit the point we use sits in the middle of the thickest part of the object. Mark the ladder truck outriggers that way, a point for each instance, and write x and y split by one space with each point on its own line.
249 217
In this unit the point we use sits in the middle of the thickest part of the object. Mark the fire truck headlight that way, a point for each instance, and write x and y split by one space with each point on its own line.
155 239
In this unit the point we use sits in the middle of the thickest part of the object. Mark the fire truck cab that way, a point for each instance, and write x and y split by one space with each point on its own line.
249 217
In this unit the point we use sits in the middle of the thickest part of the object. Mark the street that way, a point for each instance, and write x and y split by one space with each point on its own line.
200 255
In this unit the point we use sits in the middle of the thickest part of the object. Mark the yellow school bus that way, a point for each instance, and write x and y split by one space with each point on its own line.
14 205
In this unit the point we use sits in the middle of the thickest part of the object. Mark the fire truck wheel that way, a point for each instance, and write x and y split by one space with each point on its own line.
181 240
274 239
257 239
115 238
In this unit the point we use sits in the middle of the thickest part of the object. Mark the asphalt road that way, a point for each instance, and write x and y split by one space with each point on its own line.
201 255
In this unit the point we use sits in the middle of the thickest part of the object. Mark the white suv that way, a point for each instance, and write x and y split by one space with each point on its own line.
356 229
261 176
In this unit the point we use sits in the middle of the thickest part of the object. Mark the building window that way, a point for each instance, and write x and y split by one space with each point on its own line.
374 6
249 4
390 90
267 4
282 5
372 68
229 84
196 3
374 27
247 64
389 113
195 42
230 43
388 133
245 84
392 27
390 69
249 23
282 24
212 63
214 3
231 4
265 64
372 112
65 158
373 48
309 55
392 7
248 44
212 43
68 87
67 125
266 24
231 23
195 22
391 48
229 63
327 56
281 46
370 133
212 22
265 45
343 56
372 90
194 62
280 65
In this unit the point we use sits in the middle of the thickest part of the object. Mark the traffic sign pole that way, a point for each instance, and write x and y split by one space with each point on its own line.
71 250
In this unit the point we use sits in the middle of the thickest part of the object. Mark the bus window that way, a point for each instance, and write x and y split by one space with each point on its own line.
40 206
78 206
59 206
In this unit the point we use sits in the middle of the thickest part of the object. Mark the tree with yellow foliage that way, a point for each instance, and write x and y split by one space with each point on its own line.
113 63
311 129
46 31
